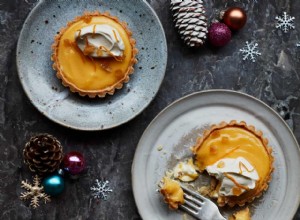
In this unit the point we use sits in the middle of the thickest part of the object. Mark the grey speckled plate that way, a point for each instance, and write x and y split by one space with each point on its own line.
175 130
46 92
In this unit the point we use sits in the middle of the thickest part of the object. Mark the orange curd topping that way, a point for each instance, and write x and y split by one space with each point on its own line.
234 142
97 73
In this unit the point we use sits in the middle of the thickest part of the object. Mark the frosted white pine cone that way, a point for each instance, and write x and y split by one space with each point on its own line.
190 20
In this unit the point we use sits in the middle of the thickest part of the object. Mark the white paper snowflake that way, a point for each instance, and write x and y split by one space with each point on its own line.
298 44
285 22
250 51
101 190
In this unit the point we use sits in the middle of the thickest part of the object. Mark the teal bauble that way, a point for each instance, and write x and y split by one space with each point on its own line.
53 185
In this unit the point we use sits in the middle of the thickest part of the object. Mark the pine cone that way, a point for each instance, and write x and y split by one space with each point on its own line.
190 20
43 154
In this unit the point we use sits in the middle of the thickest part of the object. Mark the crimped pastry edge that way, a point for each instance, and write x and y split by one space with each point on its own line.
225 200
101 92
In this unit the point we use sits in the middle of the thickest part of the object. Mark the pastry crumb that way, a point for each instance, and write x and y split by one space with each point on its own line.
243 214
169 173
184 217
159 148
204 190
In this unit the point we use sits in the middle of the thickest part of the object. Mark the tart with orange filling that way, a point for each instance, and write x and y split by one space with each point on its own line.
238 156
94 54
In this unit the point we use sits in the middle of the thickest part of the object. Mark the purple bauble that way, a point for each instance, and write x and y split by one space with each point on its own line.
74 163
219 34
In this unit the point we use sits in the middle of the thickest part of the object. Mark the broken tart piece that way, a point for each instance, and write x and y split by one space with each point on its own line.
243 214
186 171
239 158
172 192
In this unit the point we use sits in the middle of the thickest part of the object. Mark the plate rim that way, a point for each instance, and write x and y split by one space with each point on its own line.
99 128
139 146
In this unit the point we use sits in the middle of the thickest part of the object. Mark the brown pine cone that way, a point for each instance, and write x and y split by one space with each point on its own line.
43 154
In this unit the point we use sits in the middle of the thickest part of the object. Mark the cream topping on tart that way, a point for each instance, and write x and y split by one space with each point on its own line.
236 176
100 40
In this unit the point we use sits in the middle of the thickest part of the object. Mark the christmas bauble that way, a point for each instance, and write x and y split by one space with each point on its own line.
74 163
53 185
235 18
219 34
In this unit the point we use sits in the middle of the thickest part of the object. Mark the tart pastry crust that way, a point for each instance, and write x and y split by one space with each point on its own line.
101 92
249 196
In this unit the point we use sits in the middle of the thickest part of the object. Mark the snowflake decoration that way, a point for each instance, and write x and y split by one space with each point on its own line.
34 192
285 23
101 190
250 51
298 44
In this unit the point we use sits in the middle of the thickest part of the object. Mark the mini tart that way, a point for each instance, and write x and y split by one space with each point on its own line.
92 76
233 140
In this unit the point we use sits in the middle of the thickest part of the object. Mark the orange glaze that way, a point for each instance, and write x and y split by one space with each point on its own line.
241 165
238 142
237 191
235 182
88 74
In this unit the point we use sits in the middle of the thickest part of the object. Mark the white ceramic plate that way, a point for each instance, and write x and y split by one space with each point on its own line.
46 92
176 128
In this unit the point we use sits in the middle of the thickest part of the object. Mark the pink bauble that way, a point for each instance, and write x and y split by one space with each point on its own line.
74 163
219 34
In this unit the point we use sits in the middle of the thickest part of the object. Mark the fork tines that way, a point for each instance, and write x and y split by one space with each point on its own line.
193 201
199 206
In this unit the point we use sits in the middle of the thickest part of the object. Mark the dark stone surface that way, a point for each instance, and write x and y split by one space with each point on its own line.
274 78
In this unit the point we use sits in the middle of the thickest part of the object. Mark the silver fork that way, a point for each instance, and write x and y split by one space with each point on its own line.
200 207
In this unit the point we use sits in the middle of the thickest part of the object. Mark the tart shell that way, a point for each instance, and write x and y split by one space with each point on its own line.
101 92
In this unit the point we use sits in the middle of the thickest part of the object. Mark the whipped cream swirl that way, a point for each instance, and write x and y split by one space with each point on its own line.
236 176
100 41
